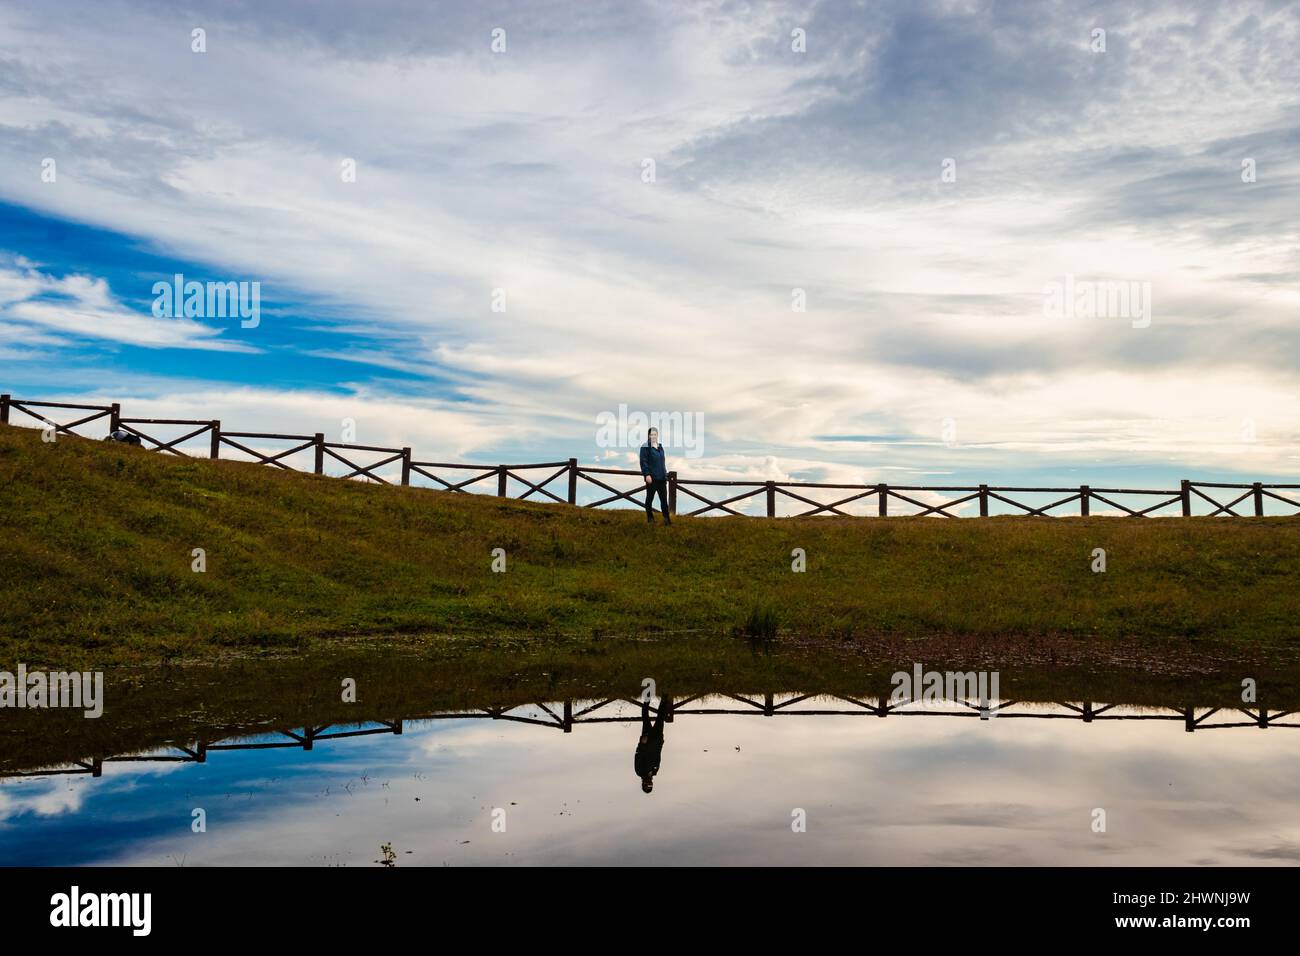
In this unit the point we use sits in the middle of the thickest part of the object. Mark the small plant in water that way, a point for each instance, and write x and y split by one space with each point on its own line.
762 623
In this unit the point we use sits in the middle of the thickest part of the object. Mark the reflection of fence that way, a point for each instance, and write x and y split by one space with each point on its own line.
559 481
565 715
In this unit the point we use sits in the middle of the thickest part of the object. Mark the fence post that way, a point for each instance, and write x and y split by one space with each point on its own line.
771 499
984 501
114 417
319 439
406 466
215 450
1258 490
501 481
573 481
1185 492
882 500
672 492
1085 501
4 409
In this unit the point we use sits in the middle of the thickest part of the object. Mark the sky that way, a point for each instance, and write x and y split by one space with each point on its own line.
829 232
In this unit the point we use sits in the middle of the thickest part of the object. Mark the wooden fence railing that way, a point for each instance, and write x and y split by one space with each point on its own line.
560 481
566 715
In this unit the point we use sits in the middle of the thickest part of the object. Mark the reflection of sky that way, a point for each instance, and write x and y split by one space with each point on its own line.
897 791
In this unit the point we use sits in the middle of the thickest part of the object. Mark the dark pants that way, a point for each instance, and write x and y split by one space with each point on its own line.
660 485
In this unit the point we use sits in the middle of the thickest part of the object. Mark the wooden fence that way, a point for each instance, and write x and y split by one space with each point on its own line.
565 715
568 482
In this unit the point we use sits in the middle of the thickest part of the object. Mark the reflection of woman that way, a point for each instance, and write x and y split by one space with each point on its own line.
651 745
654 469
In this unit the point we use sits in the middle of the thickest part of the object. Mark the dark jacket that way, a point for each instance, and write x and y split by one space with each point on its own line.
648 755
653 462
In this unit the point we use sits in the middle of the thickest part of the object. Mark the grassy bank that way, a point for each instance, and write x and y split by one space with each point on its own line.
96 542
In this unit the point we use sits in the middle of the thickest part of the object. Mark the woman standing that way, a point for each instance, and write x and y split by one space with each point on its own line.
654 469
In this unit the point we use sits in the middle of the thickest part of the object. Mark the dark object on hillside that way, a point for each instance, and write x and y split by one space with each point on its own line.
123 436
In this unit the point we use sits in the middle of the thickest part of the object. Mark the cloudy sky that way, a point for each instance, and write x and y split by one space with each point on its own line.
920 172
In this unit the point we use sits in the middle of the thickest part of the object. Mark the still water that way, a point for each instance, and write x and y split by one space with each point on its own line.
736 778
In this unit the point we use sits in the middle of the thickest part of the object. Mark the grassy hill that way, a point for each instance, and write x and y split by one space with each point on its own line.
96 542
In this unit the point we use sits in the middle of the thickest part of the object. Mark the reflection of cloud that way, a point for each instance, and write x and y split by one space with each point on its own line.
903 790
68 795
980 815
1287 852
47 797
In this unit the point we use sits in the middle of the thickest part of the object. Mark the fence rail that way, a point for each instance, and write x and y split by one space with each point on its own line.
561 481
566 715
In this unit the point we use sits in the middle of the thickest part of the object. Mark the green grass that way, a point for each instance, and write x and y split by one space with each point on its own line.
96 540
762 624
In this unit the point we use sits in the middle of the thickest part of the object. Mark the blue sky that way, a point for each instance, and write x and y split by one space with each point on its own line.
924 354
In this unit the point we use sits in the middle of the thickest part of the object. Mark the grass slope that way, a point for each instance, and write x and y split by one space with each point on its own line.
96 539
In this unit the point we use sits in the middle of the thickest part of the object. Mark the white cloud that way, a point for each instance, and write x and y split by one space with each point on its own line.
34 305
522 172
